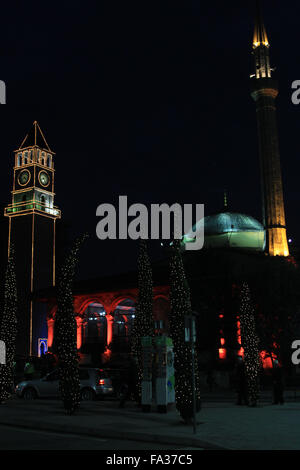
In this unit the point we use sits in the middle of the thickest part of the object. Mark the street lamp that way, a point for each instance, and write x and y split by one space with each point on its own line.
190 338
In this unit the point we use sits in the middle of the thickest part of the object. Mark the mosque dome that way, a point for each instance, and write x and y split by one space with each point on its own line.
230 229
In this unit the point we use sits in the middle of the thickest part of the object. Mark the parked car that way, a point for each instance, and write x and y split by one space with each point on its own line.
94 383
119 379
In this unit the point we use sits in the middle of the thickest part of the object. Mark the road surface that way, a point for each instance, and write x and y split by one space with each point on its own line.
15 438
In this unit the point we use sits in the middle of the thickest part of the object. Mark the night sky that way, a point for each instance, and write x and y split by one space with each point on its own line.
149 100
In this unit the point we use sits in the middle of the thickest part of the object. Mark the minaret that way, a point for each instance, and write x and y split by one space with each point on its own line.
264 90
32 219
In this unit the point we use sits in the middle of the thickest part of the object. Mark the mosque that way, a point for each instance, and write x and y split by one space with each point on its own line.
237 247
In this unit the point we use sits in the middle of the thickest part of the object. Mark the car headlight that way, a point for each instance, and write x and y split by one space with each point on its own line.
20 386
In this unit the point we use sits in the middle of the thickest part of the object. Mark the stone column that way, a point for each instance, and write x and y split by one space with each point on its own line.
79 322
50 323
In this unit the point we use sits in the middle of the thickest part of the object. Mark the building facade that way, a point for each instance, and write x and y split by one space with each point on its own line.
105 308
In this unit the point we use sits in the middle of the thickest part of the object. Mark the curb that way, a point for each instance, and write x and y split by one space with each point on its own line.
109 433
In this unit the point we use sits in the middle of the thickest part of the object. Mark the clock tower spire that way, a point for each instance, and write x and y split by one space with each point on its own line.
32 220
264 90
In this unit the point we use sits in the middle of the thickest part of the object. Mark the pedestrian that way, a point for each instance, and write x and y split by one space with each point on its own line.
130 388
277 382
29 369
210 380
241 382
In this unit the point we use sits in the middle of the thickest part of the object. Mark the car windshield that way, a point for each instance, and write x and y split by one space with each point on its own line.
53 376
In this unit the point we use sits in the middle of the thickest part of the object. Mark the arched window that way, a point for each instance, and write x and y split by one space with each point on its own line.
49 161
124 316
19 159
94 324
25 158
120 327
23 206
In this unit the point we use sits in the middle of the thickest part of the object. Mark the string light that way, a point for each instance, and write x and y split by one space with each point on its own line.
143 323
250 341
8 330
65 332
180 307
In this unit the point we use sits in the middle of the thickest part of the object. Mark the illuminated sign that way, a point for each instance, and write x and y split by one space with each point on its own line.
42 346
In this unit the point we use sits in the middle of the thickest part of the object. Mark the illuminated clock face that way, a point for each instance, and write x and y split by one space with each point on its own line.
44 178
24 177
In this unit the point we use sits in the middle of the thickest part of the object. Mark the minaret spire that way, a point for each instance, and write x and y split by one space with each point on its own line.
261 46
260 35
264 90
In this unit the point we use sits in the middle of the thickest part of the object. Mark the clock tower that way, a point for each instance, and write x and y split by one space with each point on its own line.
32 221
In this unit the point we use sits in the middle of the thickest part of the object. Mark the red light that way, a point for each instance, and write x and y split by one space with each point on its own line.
241 352
101 382
222 353
267 360
222 340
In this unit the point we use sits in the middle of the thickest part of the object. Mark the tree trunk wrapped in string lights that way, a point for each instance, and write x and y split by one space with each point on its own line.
66 332
8 330
180 307
250 343
143 324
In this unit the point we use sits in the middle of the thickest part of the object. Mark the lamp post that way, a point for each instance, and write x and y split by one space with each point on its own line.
190 337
